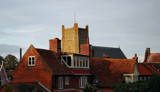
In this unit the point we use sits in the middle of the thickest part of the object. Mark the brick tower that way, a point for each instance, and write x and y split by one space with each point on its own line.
75 39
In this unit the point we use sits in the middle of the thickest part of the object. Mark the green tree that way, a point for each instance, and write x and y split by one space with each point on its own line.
10 62
154 83
35 89
90 88
1 58
151 85
8 89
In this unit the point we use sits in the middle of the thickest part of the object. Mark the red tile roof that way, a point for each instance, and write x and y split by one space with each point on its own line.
154 58
110 71
26 87
152 68
143 70
53 62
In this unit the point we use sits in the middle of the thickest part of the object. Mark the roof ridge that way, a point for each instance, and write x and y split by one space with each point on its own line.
43 49
107 47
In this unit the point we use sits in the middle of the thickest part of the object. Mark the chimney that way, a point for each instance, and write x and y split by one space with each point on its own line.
20 53
55 45
147 53
135 57
87 40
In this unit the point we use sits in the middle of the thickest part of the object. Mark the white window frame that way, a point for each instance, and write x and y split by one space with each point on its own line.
67 80
83 61
2 80
31 61
82 81
60 82
62 61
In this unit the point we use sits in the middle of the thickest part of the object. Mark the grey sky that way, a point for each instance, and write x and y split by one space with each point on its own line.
131 24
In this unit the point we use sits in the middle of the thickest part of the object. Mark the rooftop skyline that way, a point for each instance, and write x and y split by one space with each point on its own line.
131 24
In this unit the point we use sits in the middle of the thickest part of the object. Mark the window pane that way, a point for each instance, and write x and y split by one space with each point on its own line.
32 58
66 80
64 59
84 63
29 58
80 63
29 62
69 60
33 63
77 61
79 81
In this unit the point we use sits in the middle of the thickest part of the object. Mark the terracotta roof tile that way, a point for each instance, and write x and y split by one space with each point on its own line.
110 71
152 68
27 87
143 70
154 58
53 62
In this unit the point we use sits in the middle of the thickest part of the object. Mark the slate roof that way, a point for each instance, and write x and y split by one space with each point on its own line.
154 58
110 71
53 62
114 53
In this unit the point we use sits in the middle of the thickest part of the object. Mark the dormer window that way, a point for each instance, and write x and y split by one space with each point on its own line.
67 60
31 61
75 61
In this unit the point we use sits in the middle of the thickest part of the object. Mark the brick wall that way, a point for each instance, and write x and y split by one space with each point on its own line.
85 49
39 72
55 45
73 82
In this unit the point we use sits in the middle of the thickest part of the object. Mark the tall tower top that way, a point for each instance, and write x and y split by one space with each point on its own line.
73 39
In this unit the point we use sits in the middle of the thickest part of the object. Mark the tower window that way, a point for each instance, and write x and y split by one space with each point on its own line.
31 61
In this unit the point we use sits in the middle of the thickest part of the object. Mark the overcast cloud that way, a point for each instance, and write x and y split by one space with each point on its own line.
131 24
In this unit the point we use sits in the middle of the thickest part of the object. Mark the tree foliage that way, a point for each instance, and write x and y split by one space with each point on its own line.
10 62
151 85
1 58
90 88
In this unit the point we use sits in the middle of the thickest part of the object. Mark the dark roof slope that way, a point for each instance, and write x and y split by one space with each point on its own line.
156 65
110 71
151 68
53 62
114 53
27 87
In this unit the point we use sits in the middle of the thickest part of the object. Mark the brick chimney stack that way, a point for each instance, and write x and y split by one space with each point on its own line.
55 45
20 53
147 53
